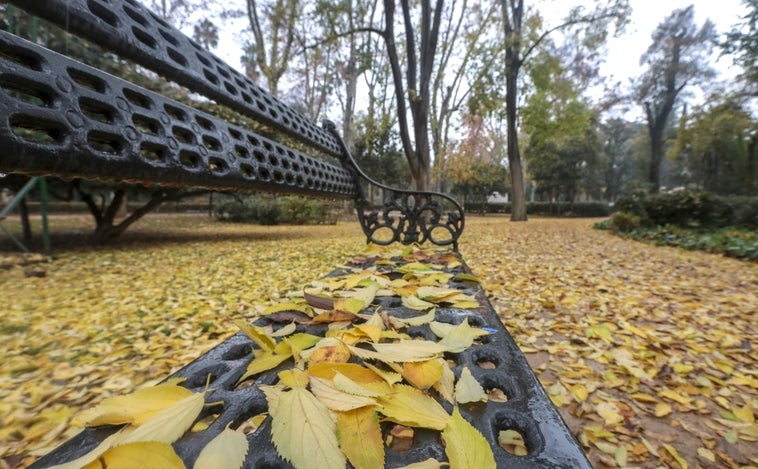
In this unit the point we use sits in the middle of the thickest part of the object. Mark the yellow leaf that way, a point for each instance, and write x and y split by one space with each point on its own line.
674 396
580 392
360 438
355 372
407 405
621 456
458 338
465 447
304 432
142 454
169 424
675 454
336 400
446 385
414 302
292 346
707 454
257 335
513 442
266 361
468 389
422 375
744 414
293 378
662 409
420 320
365 296
227 450
610 413
285 330
290 306
345 384
133 408
401 351
338 353
374 333
436 294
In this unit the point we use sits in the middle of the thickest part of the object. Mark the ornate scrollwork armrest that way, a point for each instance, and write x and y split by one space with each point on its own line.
406 216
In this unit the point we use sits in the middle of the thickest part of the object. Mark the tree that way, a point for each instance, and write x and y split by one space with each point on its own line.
677 57
563 146
520 43
206 34
475 166
273 23
414 92
716 147
742 41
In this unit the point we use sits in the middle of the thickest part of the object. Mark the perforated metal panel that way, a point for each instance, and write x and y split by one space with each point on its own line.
134 32
495 361
63 118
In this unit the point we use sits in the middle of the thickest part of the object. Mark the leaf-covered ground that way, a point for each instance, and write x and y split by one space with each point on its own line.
649 352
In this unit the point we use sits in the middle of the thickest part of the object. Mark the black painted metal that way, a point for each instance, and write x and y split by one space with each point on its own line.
60 117
406 216
134 32
528 409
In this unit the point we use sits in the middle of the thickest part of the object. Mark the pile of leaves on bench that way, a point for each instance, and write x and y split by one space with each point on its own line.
366 366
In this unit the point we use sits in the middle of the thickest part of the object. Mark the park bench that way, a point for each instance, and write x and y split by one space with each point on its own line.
62 118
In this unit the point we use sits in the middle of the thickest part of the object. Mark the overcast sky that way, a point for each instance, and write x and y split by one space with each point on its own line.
621 63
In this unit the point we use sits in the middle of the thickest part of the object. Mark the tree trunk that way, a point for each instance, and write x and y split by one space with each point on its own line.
513 19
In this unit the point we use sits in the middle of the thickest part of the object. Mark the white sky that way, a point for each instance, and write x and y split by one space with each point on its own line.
621 63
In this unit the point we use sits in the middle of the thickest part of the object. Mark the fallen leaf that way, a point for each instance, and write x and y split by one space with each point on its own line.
304 432
226 451
468 389
407 405
465 447
360 438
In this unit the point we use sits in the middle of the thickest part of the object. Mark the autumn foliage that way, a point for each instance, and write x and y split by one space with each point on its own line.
646 351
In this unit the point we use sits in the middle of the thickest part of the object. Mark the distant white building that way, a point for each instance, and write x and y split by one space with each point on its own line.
497 198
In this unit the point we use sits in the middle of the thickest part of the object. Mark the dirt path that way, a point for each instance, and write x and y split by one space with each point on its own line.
649 352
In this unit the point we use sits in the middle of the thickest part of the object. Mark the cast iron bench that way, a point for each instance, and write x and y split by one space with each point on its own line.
59 117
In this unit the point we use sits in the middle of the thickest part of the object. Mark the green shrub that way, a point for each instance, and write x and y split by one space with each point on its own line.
745 211
548 209
268 210
624 222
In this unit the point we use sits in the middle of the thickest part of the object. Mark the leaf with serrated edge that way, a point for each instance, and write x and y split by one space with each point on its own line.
227 450
401 351
336 400
345 384
360 438
446 385
133 408
468 389
390 377
407 405
169 424
304 432
142 454
264 362
272 392
257 335
465 447
461 337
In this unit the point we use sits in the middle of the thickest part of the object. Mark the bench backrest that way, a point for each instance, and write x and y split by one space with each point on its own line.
61 117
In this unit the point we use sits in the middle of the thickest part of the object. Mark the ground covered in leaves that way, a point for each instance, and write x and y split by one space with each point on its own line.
647 351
